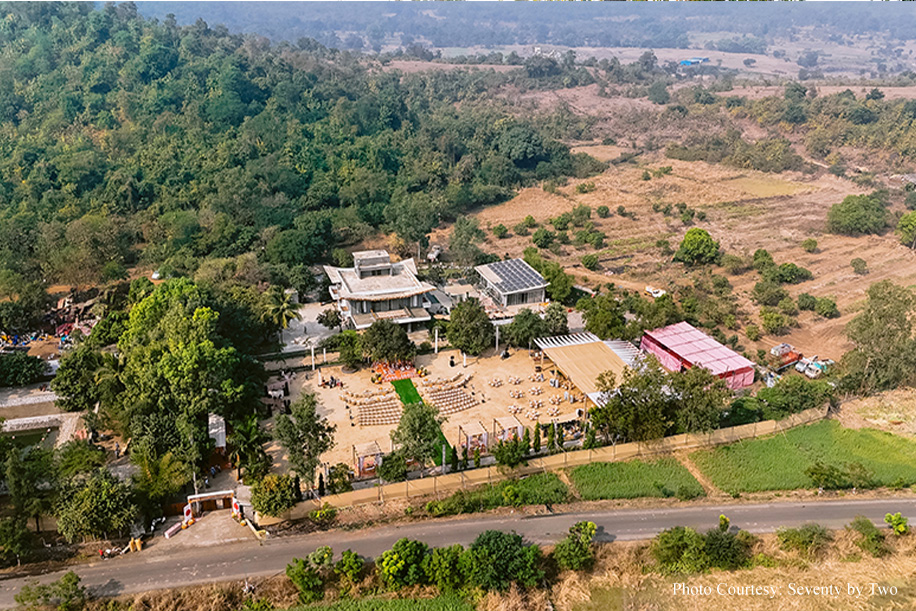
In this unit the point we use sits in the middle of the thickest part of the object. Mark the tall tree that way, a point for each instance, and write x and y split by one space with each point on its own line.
417 433
305 436
556 319
387 341
277 307
470 329
247 441
524 328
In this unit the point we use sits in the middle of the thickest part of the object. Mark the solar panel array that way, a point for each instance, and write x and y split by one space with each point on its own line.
516 275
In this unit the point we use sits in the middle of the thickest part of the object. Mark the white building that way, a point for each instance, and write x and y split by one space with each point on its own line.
513 283
375 288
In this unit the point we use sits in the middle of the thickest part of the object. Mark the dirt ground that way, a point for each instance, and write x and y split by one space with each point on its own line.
893 411
493 401
746 210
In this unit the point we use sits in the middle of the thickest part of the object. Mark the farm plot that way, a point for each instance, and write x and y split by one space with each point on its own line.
635 478
779 462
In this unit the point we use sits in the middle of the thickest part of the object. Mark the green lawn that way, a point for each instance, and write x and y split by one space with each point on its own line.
408 394
440 603
407 391
635 478
779 462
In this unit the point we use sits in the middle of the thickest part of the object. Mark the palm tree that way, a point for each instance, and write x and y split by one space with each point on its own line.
247 440
277 307
158 477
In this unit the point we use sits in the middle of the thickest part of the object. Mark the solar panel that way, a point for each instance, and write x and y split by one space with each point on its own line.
516 275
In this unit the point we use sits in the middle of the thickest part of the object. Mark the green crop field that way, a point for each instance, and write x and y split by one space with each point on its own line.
779 462
407 391
440 603
635 478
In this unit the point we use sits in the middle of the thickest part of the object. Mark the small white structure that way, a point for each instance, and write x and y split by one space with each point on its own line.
216 428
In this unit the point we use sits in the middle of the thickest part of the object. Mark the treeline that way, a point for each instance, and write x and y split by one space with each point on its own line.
127 140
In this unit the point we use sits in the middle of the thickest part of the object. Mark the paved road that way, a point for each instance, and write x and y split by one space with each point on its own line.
148 571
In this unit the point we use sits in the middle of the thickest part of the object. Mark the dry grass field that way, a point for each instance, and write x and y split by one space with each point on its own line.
746 210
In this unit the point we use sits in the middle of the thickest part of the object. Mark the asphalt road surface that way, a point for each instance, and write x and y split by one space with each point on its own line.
149 571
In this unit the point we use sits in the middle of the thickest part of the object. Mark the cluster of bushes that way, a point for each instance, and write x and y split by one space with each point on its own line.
790 395
859 214
539 489
765 155
493 562
683 550
687 214
20 369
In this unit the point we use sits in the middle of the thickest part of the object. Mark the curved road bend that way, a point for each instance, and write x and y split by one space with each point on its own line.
193 566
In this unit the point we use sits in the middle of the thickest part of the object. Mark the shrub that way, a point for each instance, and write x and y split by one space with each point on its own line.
872 539
520 229
274 495
562 222
307 579
665 247
775 323
768 293
826 307
500 231
603 212
581 214
787 306
807 302
590 261
543 238
324 516
898 523
350 566
496 559
442 568
509 453
646 175
734 264
66 593
762 259
574 553
808 539
859 266
585 187
910 200
790 273
809 245
679 550
402 565
752 332
529 222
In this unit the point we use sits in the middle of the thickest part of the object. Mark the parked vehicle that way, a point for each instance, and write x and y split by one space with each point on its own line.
656 292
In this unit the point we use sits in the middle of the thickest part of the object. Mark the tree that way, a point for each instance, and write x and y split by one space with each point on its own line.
639 409
95 507
701 398
18 369
402 565
75 380
394 468
906 229
157 477
466 235
857 215
274 495
247 442
16 541
543 238
277 307
884 351
524 328
809 245
66 593
500 231
697 248
387 341
417 433
31 481
305 436
350 347
658 93
604 316
826 307
859 266
330 319
556 319
470 329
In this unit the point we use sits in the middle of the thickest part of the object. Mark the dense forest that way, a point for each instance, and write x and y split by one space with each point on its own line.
128 140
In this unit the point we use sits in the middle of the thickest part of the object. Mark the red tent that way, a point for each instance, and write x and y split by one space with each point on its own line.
682 346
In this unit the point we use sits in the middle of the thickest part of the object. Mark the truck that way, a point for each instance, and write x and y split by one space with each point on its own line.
783 356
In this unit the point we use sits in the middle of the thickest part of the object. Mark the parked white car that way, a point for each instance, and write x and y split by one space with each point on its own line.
656 292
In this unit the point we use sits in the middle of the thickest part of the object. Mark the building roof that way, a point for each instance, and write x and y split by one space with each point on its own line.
370 448
511 276
695 347
401 283
507 423
473 429
582 358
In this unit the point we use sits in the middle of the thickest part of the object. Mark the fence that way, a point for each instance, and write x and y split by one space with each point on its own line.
452 482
